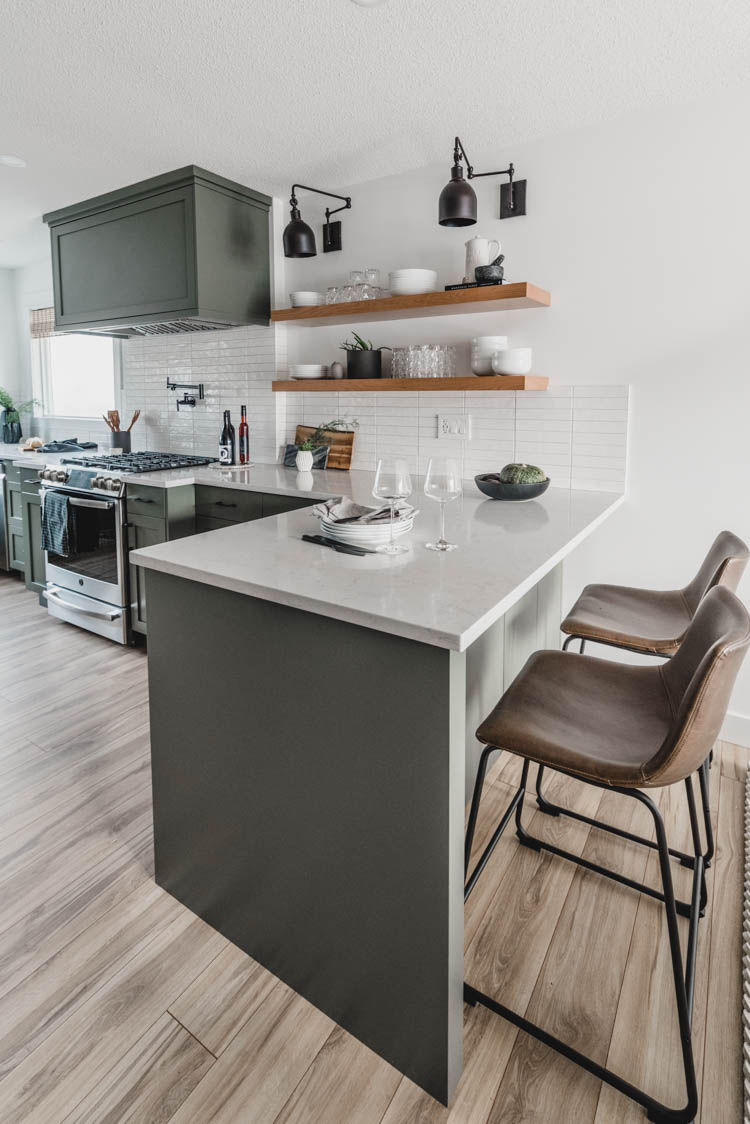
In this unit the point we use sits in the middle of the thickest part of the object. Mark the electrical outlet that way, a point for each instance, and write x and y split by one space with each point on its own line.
454 425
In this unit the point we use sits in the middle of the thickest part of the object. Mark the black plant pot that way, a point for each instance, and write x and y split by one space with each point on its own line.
364 364
12 432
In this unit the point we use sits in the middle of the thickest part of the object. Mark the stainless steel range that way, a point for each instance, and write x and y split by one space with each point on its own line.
89 585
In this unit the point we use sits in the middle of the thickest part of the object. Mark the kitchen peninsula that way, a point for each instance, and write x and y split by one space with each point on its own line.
312 742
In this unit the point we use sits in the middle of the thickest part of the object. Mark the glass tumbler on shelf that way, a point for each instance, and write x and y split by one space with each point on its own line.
442 484
372 276
332 294
392 483
357 277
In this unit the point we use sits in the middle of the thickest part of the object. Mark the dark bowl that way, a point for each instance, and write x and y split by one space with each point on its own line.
517 492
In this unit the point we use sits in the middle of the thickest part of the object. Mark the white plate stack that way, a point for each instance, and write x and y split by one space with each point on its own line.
482 350
411 282
306 299
366 534
308 371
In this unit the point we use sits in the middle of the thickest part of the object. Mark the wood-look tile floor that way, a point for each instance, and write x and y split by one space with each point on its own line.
117 1004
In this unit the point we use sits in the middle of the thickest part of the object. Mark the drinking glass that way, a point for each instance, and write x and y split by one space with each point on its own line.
442 484
332 294
356 277
372 276
392 483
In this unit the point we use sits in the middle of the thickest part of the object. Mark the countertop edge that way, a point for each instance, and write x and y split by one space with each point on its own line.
458 642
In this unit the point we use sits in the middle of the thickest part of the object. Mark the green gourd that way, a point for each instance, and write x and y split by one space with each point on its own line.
522 474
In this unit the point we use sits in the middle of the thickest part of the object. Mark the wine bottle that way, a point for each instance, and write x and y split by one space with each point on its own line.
226 441
244 437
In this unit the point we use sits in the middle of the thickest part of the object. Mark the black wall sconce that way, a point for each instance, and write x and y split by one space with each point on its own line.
458 201
299 240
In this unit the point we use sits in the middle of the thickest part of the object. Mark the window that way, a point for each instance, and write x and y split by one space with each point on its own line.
74 375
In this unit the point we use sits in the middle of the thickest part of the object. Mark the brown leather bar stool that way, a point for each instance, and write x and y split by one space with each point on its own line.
626 728
651 622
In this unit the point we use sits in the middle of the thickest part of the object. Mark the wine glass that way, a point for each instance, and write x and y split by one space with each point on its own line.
442 483
392 483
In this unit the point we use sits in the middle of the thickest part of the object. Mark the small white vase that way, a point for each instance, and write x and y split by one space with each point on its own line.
304 460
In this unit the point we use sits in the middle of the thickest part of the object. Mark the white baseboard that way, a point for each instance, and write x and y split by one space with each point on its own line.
736 729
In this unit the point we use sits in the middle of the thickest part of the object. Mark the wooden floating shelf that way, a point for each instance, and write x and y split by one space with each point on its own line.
487 298
470 382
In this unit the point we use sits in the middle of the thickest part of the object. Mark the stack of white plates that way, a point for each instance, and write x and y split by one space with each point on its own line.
482 350
365 534
308 371
306 299
410 282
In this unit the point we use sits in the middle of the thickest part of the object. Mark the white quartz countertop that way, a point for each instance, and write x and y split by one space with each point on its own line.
443 599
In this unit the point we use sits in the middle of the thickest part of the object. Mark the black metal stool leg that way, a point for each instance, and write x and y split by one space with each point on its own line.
505 819
703 777
683 983
696 836
475 799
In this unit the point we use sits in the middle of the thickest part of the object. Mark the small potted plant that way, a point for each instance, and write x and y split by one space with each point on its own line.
10 419
363 361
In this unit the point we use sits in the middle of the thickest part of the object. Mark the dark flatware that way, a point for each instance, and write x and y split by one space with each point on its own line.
342 548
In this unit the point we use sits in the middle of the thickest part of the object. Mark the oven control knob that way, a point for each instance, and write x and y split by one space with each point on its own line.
113 484
61 475
97 482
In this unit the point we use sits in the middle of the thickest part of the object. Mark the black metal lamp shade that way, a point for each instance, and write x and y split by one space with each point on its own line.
299 240
457 205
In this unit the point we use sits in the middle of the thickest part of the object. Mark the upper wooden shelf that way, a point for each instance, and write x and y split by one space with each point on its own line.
469 382
488 298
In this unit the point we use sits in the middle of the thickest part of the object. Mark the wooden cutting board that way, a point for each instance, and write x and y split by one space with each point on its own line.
340 449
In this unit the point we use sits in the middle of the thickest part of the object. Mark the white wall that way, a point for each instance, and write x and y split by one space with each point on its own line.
9 360
640 229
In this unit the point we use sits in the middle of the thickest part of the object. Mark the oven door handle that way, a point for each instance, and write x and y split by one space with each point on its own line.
100 505
104 614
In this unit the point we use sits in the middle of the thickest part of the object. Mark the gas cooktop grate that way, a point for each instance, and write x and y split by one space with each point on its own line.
139 462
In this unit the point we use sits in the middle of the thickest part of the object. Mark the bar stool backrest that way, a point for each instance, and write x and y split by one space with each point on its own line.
723 565
699 679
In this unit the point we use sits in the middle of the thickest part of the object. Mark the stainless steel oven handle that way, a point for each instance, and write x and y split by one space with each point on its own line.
100 505
104 614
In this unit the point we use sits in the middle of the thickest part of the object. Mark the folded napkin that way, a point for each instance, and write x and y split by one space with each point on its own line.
343 510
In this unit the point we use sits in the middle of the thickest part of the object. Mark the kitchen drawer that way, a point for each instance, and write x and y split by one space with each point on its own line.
144 500
30 481
228 503
211 523
277 505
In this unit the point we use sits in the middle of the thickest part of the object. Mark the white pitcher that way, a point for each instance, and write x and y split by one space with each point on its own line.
479 252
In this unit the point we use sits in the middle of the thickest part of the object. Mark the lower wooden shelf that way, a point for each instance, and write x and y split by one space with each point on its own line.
470 382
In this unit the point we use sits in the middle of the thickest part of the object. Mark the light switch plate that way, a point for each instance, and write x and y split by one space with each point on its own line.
451 426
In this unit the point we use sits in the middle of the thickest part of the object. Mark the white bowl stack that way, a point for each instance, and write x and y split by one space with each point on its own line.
410 282
482 350
308 371
306 299
512 361
366 534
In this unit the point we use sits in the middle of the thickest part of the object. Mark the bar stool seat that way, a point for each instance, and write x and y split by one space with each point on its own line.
602 720
644 620
653 621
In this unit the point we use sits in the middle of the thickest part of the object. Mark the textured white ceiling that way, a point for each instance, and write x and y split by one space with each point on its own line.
95 94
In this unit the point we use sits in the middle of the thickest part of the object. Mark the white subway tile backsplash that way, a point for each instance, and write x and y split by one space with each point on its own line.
579 433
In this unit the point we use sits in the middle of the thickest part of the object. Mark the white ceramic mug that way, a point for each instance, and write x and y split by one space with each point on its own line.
479 252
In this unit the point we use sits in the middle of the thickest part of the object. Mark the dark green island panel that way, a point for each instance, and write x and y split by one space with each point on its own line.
308 783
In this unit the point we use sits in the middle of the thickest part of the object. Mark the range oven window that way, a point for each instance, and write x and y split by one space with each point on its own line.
96 533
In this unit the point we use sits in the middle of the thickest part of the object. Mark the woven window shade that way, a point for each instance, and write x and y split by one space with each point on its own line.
42 323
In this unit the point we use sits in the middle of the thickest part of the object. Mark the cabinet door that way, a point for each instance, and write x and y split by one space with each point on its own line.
15 525
211 523
278 505
135 259
32 532
234 504
141 533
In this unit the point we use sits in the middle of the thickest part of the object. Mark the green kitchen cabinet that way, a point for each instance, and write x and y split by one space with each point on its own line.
188 247
154 515
14 518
